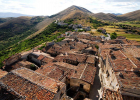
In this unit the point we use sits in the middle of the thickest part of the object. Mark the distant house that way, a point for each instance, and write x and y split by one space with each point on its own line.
102 30
87 28
63 35
77 26
62 23
68 33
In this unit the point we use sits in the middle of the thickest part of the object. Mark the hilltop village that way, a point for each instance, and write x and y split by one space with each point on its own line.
81 67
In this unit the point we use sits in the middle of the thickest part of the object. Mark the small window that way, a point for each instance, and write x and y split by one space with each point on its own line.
107 73
61 95
81 86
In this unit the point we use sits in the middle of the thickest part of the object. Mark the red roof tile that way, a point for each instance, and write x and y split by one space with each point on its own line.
30 84
2 73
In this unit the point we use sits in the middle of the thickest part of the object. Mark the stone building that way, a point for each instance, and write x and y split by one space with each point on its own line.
120 70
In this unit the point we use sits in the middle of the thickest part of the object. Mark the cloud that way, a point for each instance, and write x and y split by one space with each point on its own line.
123 0
49 7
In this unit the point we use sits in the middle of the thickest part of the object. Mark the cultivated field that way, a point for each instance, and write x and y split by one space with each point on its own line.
121 32
129 23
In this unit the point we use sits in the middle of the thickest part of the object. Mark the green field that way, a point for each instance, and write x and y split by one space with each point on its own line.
129 23
131 36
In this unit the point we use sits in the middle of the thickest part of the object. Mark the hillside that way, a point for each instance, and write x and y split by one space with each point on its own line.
20 28
135 15
71 12
16 29
109 17
2 20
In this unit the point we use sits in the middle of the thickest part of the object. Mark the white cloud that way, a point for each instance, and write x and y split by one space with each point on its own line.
49 7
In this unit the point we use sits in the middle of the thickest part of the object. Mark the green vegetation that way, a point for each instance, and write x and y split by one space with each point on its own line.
29 44
60 39
96 46
81 30
114 35
17 30
69 21
131 36
33 67
96 23
131 23
122 32
43 46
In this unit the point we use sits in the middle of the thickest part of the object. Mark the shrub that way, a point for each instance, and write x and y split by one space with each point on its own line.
114 35
96 46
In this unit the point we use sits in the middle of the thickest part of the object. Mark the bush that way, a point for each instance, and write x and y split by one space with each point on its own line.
41 47
96 46
114 35
80 30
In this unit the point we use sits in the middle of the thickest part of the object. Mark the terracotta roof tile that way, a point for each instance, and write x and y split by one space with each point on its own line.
2 73
89 74
40 57
31 86
90 59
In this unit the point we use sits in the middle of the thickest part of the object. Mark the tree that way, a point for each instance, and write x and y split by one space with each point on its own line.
114 35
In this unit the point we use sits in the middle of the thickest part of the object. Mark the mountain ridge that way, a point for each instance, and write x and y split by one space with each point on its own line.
134 15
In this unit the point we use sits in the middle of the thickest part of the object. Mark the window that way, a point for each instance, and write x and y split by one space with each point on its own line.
61 95
107 73
81 86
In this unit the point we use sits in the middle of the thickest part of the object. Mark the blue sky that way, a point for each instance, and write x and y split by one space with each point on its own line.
49 7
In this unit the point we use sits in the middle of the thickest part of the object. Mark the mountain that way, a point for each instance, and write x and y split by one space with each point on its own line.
16 29
106 17
135 15
71 12
10 14
13 30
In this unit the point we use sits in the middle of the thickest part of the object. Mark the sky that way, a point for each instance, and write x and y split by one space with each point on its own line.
50 7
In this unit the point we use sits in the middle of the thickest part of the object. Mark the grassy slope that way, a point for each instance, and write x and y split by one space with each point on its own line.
135 15
17 29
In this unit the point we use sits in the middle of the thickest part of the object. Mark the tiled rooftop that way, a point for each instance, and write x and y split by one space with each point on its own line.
38 79
76 57
47 60
85 72
65 65
2 73
89 74
23 87
56 71
90 59
40 57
